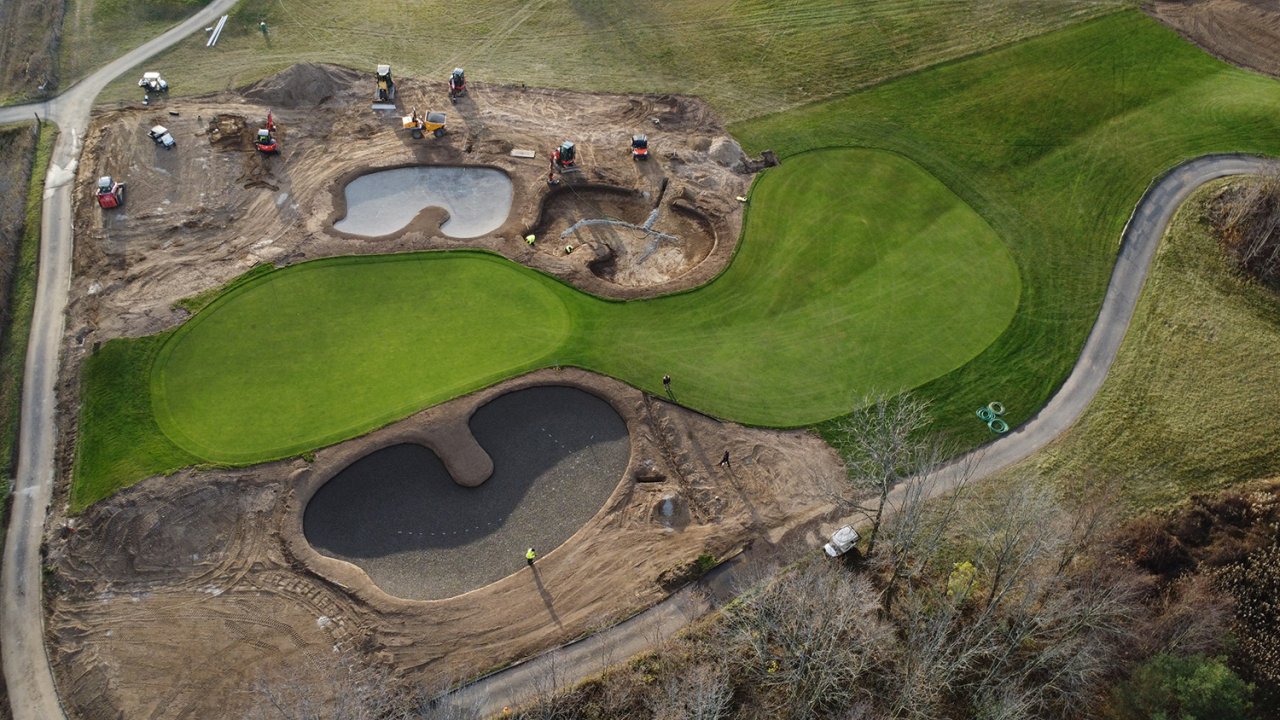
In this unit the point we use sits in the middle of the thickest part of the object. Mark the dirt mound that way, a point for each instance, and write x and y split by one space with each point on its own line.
303 84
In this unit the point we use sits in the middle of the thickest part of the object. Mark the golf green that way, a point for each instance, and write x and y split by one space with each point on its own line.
859 272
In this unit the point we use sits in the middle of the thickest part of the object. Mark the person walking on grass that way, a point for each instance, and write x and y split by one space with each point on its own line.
529 556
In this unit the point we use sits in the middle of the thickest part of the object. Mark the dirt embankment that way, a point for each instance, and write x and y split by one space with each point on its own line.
175 597
1241 32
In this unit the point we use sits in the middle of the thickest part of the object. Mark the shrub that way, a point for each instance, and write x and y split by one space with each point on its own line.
1169 687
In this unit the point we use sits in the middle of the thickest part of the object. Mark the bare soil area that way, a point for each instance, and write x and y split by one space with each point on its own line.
174 598
1241 32
204 212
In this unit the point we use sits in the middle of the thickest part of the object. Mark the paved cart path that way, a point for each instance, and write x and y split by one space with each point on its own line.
568 665
27 674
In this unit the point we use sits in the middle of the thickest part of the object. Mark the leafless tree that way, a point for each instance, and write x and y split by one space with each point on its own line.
881 443
702 692
805 641
1248 220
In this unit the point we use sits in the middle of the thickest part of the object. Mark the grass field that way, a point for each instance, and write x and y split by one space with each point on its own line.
747 57
1052 141
832 301
1192 402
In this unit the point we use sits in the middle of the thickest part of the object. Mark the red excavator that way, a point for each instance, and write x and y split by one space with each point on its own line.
457 85
110 193
266 142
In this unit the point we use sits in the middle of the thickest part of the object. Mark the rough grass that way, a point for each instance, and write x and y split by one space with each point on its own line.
326 350
95 32
21 303
1192 402
1053 141
747 57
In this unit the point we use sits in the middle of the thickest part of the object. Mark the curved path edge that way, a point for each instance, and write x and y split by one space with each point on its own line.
565 666
28 675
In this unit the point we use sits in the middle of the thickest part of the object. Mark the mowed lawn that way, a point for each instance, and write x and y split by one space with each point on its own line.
855 279
1053 141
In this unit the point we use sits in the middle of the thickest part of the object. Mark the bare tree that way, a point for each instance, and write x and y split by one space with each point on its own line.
805 641
702 692
881 443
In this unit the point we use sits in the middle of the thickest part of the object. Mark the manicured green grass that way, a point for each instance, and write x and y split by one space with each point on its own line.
747 57
1052 141
856 292
1192 402
119 442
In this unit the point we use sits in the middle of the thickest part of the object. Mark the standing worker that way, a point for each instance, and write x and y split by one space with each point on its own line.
530 556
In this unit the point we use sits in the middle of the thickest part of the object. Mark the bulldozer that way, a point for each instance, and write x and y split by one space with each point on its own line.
384 97
110 193
419 125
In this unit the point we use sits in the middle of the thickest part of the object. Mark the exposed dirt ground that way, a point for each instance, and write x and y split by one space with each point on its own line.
1241 32
173 598
202 213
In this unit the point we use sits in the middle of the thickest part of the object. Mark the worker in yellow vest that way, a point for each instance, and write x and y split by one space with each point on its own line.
530 556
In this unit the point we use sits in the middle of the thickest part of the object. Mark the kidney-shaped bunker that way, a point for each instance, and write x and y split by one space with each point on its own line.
558 453
478 200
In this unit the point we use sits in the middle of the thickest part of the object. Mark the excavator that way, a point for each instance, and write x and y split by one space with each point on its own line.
110 193
563 160
418 124
266 141
457 85
384 97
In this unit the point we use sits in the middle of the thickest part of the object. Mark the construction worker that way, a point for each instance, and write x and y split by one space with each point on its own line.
529 556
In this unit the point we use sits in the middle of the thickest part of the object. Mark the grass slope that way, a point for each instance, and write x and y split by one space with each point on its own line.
23 265
1053 141
747 57
846 297
1192 403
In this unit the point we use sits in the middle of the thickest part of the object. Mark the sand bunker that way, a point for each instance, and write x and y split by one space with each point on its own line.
477 199
558 453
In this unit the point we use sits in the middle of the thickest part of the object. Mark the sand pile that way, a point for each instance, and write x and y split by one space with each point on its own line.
304 84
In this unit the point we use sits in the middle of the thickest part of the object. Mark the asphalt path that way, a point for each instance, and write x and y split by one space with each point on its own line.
27 674
565 666
26 665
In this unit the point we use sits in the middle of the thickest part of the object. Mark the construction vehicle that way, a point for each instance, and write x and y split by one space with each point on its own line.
384 97
639 147
266 141
162 137
151 82
563 161
110 193
457 85
418 124
564 156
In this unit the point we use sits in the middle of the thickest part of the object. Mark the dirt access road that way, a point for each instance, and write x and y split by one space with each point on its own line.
26 666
